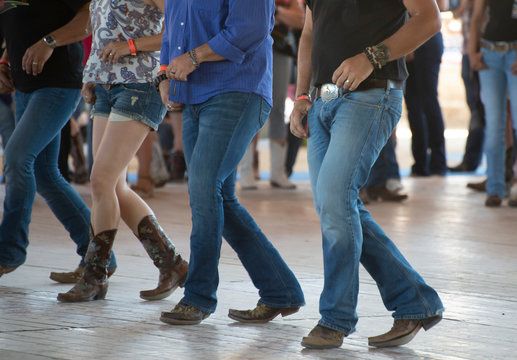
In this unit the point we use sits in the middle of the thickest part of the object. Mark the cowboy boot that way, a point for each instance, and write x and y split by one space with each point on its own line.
94 283
173 269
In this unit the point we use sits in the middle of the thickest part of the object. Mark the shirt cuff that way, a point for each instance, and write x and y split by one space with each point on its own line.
226 49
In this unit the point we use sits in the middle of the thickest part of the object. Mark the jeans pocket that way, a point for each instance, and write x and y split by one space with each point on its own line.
371 98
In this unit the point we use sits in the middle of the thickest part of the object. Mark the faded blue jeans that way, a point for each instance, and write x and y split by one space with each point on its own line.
31 165
216 134
346 136
497 85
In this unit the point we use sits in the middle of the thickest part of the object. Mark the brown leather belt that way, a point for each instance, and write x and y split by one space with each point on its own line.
331 91
502 46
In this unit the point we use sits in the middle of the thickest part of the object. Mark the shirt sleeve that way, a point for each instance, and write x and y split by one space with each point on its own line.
164 51
75 5
247 25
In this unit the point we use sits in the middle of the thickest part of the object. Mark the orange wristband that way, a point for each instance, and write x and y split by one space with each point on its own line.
132 47
4 62
303 97
163 67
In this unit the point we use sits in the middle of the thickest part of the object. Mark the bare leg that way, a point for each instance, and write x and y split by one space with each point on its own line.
115 144
145 185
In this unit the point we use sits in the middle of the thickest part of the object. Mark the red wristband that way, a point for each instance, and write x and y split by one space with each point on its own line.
4 62
132 47
303 97
163 67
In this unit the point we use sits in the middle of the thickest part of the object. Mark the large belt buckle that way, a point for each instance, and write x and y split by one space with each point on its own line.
329 92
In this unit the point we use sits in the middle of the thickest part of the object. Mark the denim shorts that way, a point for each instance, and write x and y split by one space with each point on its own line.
123 102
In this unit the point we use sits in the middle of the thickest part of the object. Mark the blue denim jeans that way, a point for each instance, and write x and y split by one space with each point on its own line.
497 85
216 134
346 136
31 165
6 123
386 166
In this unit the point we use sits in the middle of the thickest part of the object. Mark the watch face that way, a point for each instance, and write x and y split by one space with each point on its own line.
49 40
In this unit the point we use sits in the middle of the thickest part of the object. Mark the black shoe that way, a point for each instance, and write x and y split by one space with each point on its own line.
493 201
477 186
462 167
183 314
382 193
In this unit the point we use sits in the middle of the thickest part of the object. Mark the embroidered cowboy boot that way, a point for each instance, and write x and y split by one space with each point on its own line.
173 269
94 283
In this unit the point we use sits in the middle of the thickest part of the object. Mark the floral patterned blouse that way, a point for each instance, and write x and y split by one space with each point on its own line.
120 20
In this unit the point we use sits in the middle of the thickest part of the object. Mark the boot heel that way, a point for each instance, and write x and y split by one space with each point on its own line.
101 295
430 322
289 311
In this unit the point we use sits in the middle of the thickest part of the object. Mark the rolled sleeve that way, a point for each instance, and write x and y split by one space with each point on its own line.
240 35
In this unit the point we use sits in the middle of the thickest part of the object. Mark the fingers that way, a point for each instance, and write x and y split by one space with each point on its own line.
296 125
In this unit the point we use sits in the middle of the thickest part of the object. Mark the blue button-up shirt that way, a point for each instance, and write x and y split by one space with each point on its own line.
238 30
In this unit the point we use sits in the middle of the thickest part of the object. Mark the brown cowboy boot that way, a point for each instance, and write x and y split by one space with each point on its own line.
261 314
173 269
71 277
94 283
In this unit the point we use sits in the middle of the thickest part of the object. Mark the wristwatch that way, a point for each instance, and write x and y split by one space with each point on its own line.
158 80
50 41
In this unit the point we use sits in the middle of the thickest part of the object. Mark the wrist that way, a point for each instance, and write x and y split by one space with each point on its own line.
50 41
5 62
193 56
377 55
303 97
132 47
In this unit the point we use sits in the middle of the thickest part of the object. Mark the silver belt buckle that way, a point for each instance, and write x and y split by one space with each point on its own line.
329 92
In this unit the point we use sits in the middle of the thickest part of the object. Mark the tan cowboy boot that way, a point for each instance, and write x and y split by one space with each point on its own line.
260 314
94 283
173 269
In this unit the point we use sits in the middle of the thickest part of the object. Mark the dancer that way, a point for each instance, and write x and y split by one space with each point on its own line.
118 81
221 71
354 54
46 74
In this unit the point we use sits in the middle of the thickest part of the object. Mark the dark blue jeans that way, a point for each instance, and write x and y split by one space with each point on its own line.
216 134
31 165
474 147
6 122
424 112
386 166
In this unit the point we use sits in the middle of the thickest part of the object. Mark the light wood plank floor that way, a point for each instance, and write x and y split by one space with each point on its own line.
466 251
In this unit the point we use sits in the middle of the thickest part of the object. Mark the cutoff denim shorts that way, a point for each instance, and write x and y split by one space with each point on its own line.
122 102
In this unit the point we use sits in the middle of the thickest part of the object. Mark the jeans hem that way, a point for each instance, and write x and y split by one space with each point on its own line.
327 324
198 306
12 265
419 316
281 305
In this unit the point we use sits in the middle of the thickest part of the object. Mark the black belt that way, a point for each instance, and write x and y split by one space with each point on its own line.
331 91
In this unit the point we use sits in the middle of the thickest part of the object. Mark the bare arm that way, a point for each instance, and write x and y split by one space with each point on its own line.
443 5
292 16
422 25
301 107
476 59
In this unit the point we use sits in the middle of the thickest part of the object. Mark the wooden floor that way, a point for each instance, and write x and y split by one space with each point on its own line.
466 251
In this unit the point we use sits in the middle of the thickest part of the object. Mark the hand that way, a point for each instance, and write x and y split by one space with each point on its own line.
6 81
476 61
514 68
35 58
301 109
88 93
114 51
180 68
352 72
164 94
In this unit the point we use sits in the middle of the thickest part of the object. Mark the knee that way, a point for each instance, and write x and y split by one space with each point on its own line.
101 184
17 163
